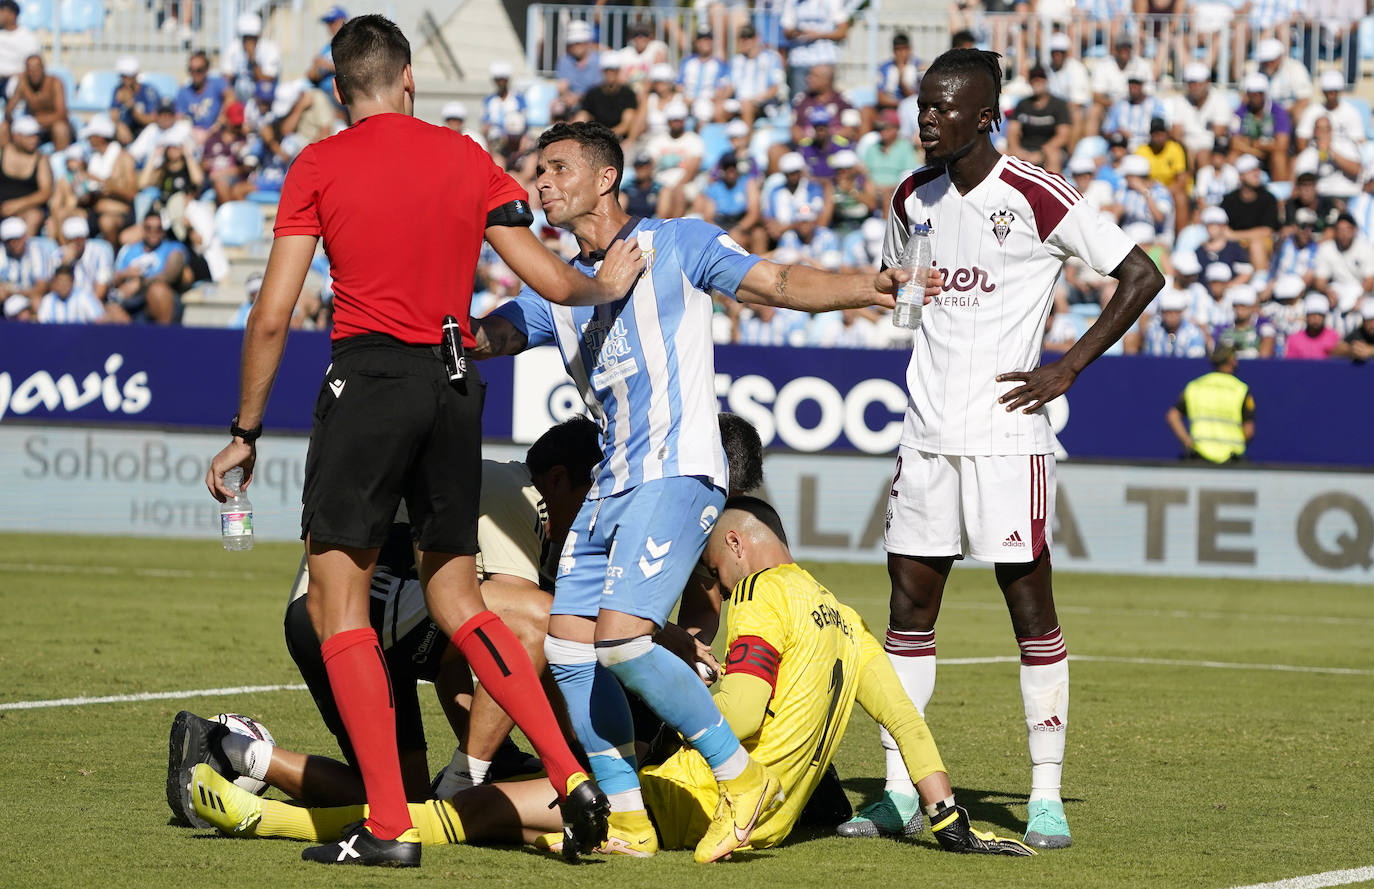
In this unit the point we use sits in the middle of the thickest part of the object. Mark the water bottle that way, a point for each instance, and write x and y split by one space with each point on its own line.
917 258
236 514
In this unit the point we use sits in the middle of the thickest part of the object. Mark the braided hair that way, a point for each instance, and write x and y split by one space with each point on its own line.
974 61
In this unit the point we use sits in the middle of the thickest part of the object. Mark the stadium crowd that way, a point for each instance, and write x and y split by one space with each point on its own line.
1257 205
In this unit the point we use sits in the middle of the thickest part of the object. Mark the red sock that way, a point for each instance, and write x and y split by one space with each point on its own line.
362 692
504 669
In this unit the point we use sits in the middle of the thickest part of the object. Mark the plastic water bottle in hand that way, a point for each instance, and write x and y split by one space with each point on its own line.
236 514
917 258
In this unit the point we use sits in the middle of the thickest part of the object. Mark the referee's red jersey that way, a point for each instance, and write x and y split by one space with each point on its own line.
402 206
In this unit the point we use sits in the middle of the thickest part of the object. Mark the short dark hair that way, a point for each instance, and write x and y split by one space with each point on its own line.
370 53
900 39
574 444
65 269
600 145
743 452
11 6
974 61
760 510
961 38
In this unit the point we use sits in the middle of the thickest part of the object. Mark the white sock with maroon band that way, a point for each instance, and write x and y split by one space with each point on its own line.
912 654
1045 694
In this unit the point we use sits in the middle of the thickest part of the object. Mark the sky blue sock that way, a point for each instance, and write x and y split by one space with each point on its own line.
600 717
672 690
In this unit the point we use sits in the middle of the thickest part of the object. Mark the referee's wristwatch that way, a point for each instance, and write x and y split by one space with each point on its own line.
248 435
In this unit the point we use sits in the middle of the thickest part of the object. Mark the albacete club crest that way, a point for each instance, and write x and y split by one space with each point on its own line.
1001 224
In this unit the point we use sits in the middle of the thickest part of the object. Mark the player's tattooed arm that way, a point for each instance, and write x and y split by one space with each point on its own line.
496 336
814 290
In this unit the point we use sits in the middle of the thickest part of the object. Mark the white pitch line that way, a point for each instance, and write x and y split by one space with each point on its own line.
111 570
149 696
1183 614
944 662
1317 881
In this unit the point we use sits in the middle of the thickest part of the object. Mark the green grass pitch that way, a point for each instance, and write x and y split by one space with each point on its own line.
1178 775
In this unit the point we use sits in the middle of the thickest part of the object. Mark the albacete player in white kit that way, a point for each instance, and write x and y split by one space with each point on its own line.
975 471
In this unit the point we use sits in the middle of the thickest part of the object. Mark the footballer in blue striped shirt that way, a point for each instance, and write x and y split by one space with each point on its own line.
644 364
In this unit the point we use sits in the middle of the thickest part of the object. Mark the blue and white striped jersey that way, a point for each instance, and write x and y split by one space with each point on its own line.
751 78
699 77
36 263
645 363
95 267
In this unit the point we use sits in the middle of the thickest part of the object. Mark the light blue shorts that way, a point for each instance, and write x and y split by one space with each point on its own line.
633 552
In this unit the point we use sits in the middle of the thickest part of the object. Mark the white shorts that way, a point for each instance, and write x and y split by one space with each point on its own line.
993 509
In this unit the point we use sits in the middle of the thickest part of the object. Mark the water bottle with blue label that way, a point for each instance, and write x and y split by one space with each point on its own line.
236 514
918 258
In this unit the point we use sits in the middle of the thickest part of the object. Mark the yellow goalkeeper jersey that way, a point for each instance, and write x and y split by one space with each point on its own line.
784 627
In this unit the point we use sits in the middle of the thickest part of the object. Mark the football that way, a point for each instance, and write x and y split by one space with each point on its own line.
247 725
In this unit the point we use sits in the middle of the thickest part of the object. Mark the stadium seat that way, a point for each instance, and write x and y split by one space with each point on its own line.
862 96
269 198
1091 147
1190 238
539 99
82 15
36 14
715 143
144 200
239 223
1365 34
1362 105
64 75
94 92
165 84
1280 190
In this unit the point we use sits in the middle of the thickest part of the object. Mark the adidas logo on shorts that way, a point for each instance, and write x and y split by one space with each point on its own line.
1013 539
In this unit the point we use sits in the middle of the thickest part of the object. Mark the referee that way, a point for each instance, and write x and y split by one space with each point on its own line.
402 206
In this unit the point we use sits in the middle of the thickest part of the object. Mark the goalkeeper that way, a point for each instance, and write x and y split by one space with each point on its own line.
798 661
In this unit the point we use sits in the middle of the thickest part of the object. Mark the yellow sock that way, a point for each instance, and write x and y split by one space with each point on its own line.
299 823
438 822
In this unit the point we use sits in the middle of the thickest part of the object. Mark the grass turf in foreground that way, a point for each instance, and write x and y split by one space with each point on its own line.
1175 776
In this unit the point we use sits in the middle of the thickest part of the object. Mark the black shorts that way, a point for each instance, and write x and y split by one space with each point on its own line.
389 426
416 656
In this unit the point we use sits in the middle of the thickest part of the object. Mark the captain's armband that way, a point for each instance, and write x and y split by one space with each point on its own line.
512 213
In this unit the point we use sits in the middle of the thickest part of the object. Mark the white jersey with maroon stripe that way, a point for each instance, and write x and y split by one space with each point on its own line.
1001 248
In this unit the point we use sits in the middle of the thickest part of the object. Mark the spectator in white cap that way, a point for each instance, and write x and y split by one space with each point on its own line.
1249 333
133 103
111 180
1142 199
1361 206
252 285
17 43
26 179
251 59
149 276
1263 127
1217 178
166 126
1199 114
732 202
1131 114
662 93
611 103
1170 333
65 303
1218 246
1110 76
91 259
741 135
853 196
579 68
19 307
25 265
642 53
756 76
1333 162
677 158
1358 344
1345 266
454 115
1346 121
1289 83
1253 211
501 104
1317 339
43 97
1295 255
782 202
1069 80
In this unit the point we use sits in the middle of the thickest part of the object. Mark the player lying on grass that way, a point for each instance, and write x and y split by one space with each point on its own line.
526 510
798 661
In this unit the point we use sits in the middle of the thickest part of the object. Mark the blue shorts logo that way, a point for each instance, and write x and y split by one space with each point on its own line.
708 518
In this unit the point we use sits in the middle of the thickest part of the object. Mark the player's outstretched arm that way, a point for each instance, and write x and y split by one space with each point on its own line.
558 282
813 290
1139 281
496 336
264 339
